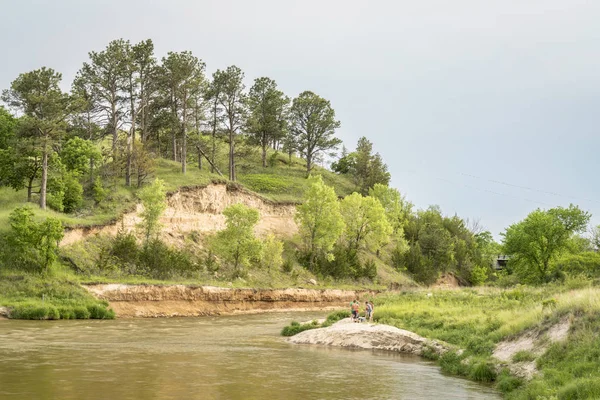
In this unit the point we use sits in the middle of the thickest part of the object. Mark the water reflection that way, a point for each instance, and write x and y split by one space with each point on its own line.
205 358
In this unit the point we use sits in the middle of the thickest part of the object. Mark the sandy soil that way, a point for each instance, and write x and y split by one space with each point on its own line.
200 209
187 300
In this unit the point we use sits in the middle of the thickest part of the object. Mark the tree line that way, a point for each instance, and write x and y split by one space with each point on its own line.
146 108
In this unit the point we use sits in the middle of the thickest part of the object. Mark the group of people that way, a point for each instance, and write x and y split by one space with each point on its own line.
355 308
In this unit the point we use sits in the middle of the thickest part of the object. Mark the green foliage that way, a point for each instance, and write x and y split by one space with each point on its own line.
271 255
32 245
367 169
38 96
236 244
73 194
482 372
319 220
8 125
98 191
266 183
586 264
313 125
34 296
506 383
479 275
153 198
295 327
539 239
267 108
78 154
366 225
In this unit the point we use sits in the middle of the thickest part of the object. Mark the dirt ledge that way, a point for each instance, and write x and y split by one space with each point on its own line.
187 300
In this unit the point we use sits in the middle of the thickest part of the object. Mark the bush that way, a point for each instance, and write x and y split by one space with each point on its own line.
162 262
34 311
81 312
580 389
586 263
66 313
98 191
482 372
479 275
100 312
295 327
73 194
507 383
451 363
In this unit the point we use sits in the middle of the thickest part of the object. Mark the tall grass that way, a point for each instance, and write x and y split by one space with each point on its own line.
476 320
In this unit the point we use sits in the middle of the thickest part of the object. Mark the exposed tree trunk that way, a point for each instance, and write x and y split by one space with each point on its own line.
44 177
213 167
184 137
231 154
30 188
264 150
214 138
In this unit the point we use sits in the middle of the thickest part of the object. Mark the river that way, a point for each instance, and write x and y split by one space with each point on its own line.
237 357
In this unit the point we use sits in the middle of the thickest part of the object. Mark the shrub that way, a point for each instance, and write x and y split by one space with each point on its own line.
507 383
271 255
98 191
482 372
81 312
479 345
580 389
479 275
295 327
73 194
99 312
451 363
34 311
66 313
586 263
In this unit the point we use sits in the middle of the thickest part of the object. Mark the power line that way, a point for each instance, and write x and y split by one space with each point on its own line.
529 188
486 190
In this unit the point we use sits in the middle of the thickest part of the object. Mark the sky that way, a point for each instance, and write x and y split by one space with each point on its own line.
487 108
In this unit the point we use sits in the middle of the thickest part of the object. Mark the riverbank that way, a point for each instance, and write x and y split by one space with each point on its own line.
151 301
529 342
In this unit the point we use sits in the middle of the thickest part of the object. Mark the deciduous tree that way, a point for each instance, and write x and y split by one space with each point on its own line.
319 219
538 239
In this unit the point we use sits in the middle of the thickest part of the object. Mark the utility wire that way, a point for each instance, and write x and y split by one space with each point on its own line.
485 190
530 188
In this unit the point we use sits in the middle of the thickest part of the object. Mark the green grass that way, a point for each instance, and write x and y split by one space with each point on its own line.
281 182
476 320
53 296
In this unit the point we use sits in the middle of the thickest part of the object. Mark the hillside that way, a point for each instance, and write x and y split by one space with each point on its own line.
281 183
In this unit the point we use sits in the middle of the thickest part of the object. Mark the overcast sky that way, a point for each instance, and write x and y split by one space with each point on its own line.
487 108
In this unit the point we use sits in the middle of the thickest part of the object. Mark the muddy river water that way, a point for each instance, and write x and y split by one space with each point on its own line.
237 357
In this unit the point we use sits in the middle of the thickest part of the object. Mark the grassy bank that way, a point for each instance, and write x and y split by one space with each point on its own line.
477 320
55 296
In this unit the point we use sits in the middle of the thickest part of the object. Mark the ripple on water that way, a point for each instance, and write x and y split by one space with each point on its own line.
240 357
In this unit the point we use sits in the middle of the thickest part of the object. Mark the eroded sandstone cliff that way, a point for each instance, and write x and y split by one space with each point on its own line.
189 300
200 209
